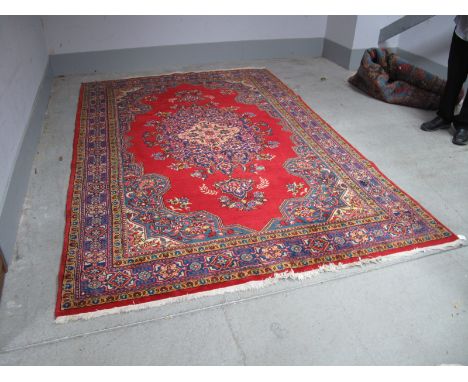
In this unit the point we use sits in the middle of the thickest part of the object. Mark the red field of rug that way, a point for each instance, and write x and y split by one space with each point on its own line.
190 182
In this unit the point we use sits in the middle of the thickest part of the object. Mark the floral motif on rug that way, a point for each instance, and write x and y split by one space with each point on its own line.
190 182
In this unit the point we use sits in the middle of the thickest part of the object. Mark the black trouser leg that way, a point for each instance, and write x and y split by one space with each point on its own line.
461 120
456 76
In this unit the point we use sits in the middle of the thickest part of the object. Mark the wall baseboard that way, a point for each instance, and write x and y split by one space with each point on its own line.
346 57
337 53
355 58
142 59
17 189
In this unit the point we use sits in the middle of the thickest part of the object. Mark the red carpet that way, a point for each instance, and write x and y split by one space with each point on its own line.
192 182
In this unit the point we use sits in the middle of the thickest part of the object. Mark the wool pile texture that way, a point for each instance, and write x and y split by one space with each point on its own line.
193 182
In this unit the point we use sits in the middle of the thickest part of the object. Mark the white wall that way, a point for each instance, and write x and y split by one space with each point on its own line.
430 39
70 34
340 29
92 33
22 65
368 30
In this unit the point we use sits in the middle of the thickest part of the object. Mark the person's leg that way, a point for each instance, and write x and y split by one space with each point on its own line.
456 75
460 122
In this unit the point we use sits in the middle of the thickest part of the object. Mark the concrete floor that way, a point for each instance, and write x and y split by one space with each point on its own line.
407 312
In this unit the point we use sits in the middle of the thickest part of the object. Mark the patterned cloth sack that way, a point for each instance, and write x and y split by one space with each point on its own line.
385 76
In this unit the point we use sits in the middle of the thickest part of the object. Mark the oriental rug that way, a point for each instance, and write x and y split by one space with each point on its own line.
384 75
188 183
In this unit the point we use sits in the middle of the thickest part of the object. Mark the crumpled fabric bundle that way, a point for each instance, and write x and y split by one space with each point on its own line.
389 78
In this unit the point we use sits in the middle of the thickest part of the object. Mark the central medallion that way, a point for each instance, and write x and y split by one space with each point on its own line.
209 138
222 165
209 134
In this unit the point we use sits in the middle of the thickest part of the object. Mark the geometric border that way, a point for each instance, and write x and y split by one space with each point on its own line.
379 251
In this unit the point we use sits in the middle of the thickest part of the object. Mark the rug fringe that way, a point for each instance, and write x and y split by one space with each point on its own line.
290 274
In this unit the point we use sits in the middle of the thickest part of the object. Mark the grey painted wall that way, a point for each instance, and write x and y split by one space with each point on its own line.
430 39
341 29
339 38
367 31
344 36
144 59
22 66
71 34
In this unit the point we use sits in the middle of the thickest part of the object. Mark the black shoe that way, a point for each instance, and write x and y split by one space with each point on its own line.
460 137
435 124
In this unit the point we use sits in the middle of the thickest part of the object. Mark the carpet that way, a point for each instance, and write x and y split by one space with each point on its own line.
384 75
189 183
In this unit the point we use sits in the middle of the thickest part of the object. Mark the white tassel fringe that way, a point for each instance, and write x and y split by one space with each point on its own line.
263 283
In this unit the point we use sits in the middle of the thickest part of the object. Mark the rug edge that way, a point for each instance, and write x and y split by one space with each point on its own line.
273 279
148 75
63 316
344 141
68 205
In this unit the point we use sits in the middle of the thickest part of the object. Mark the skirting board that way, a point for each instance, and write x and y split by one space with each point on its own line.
337 53
341 55
141 59
11 212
